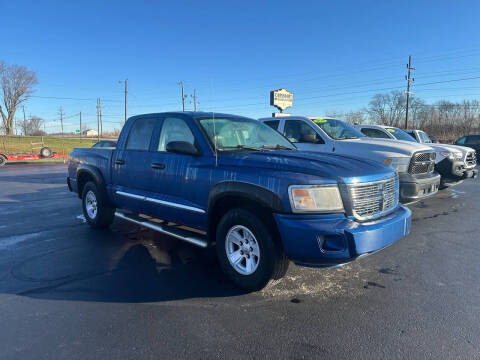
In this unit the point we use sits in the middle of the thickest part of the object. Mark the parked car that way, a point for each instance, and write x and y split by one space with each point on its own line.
414 162
472 141
466 163
105 144
232 181
451 162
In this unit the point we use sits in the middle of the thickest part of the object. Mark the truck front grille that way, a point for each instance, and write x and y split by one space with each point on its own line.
422 163
471 159
374 199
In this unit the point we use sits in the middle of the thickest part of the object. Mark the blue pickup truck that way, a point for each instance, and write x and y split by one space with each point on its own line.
230 181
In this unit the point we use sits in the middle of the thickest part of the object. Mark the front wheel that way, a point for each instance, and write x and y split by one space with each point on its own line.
247 251
3 160
95 208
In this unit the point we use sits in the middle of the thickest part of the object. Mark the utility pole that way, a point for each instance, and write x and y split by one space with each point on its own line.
183 95
125 82
125 101
98 119
407 77
24 122
194 97
80 124
61 118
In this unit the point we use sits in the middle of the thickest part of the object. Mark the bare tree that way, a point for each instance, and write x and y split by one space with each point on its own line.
17 85
34 125
388 109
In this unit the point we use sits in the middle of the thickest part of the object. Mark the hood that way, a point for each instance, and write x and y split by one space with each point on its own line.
383 147
463 149
328 166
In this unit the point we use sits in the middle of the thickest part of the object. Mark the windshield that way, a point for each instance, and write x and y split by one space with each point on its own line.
337 129
400 134
243 133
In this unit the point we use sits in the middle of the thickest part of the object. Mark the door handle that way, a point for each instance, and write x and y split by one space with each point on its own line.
119 162
158 166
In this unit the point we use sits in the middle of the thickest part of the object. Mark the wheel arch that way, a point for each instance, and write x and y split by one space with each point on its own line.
229 195
86 173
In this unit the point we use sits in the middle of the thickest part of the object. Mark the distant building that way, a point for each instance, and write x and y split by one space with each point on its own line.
90 132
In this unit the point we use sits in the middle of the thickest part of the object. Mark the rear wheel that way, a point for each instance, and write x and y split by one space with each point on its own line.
247 251
3 160
95 208
45 152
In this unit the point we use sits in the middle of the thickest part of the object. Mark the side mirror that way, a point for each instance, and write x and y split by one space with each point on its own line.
182 147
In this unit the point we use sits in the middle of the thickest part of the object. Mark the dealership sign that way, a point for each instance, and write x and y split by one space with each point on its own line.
281 99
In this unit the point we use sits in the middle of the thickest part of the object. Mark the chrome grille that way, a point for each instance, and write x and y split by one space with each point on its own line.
373 199
422 163
471 158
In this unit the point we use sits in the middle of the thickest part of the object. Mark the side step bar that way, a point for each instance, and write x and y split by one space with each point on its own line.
185 235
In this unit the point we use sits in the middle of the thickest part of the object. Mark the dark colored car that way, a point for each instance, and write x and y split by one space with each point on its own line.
472 141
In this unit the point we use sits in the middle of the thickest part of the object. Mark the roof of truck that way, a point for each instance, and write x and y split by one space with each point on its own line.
194 114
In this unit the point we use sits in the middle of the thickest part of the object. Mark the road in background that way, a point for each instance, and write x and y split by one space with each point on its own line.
68 291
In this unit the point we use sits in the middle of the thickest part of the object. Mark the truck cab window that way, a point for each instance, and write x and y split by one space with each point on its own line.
141 134
300 132
374 133
174 129
273 124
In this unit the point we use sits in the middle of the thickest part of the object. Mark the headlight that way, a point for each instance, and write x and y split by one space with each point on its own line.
315 198
452 155
398 163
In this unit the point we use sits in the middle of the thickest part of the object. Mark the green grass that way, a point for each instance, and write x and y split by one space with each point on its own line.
22 144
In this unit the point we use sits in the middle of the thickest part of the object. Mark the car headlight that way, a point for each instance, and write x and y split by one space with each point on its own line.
452 155
398 163
315 198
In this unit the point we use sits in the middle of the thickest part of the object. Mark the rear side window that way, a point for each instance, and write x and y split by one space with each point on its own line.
140 134
273 124
374 133
298 131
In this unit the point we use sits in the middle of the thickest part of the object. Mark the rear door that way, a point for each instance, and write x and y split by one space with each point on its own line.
131 175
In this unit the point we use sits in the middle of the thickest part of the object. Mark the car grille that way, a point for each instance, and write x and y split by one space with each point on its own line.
373 199
422 163
471 159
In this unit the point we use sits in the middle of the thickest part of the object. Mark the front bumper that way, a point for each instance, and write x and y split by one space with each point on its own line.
418 187
331 240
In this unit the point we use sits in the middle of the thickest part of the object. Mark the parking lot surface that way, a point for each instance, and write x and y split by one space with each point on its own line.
70 292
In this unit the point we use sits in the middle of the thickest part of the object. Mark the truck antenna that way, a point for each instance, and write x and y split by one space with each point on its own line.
214 130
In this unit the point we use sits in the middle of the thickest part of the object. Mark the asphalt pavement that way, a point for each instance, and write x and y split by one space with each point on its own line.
70 292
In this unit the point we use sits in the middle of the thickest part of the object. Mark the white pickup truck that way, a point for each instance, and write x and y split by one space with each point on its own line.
453 163
414 163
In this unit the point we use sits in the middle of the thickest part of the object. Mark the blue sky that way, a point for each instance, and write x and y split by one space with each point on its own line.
334 55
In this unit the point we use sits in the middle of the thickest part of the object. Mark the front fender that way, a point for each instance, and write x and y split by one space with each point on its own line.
256 193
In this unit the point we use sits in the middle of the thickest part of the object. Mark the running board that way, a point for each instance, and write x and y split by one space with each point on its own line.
178 233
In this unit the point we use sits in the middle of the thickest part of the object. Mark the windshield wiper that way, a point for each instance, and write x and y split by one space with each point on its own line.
241 147
277 147
347 138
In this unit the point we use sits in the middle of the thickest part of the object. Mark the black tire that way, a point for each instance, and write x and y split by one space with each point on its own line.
3 160
45 152
272 263
104 215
